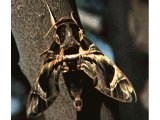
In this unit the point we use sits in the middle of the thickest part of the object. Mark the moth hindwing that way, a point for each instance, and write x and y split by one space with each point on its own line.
70 55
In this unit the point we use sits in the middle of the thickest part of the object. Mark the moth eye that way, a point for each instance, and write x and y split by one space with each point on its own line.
75 31
61 33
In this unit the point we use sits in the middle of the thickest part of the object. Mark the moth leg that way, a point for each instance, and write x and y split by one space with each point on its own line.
46 51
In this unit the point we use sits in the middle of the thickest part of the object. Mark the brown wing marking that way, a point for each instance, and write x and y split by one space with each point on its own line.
108 78
44 91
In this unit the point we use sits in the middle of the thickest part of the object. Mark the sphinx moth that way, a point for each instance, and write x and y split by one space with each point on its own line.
74 56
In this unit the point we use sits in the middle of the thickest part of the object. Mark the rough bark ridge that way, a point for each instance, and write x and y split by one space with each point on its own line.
30 22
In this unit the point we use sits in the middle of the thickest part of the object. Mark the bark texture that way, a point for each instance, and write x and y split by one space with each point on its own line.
30 22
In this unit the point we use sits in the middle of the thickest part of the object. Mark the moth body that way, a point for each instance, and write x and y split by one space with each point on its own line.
76 58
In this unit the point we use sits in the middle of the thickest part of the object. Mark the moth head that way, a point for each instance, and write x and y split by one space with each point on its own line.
68 37
67 32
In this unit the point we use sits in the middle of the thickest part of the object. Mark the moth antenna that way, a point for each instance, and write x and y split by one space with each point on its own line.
81 30
73 18
51 16
135 96
48 31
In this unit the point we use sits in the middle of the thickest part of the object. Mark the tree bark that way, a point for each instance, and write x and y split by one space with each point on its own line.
30 22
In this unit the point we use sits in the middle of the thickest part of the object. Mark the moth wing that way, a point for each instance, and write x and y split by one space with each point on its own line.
112 81
43 92
107 77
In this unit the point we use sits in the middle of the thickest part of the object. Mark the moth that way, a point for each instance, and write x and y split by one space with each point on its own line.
75 57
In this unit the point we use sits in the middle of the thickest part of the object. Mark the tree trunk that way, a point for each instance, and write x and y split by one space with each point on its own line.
30 22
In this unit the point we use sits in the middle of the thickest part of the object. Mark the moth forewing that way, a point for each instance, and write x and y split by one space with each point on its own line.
108 78
120 88
126 87
42 93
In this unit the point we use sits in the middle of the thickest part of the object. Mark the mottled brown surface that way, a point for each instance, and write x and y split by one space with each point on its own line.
30 22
